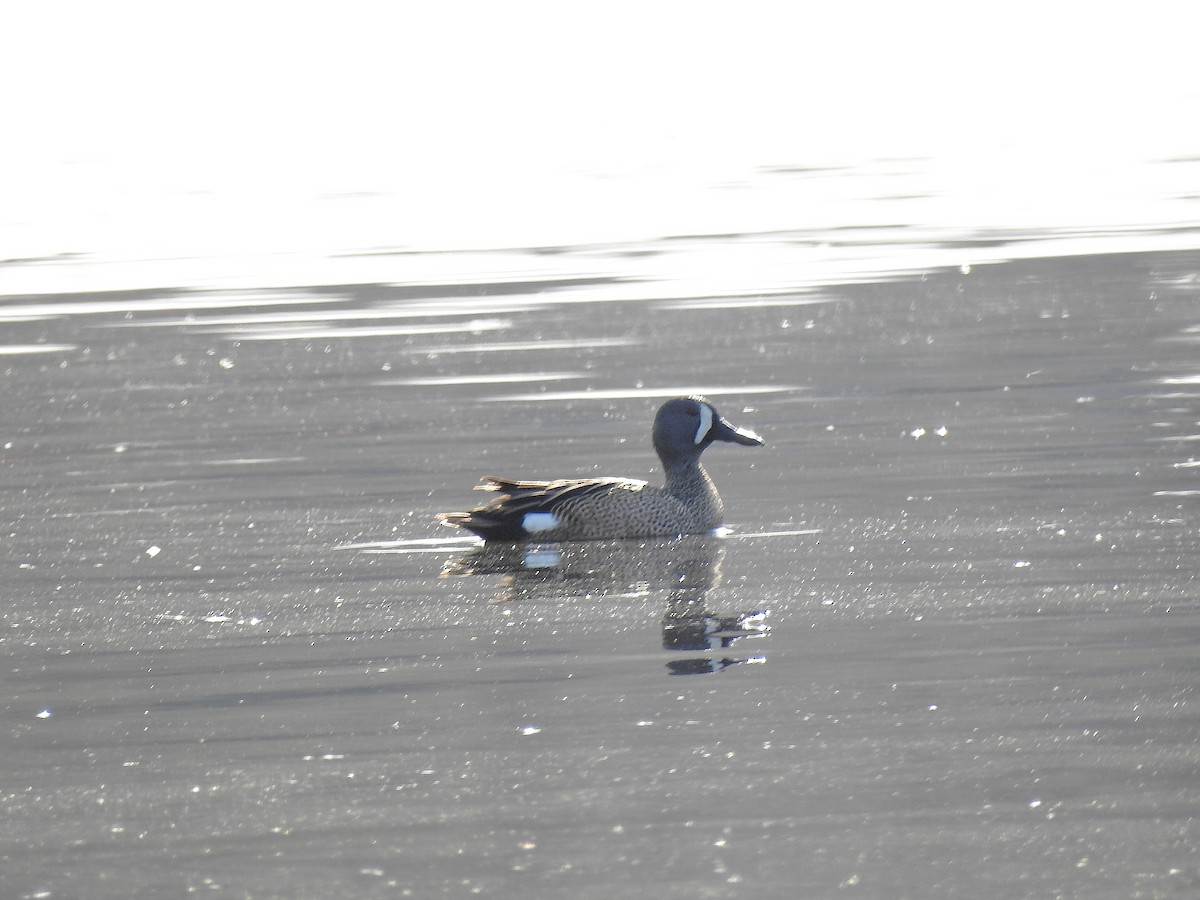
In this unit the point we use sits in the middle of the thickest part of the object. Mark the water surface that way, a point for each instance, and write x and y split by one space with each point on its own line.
947 648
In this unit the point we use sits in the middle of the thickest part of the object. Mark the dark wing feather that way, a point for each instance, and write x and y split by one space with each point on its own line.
502 518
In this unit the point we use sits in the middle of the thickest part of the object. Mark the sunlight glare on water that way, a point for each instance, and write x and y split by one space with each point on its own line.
144 162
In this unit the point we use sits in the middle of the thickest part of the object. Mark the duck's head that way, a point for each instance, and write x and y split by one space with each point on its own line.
685 426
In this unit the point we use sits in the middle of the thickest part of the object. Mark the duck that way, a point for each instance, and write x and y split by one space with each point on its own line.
582 509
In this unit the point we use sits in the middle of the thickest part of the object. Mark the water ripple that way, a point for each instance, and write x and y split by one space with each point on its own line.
632 393
251 333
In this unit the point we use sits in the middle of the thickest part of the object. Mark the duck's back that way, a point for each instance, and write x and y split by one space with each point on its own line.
583 510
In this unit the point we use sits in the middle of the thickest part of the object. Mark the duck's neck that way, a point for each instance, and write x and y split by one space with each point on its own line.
691 484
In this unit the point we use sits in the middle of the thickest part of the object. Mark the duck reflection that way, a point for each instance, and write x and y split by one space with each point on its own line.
684 570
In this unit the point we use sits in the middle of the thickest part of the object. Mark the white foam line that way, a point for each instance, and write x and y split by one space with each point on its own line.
289 317
634 393
54 308
429 543
758 534
521 346
317 334
482 379
250 461
741 303
446 549
25 349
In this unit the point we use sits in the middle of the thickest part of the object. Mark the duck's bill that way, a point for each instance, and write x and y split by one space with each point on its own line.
724 431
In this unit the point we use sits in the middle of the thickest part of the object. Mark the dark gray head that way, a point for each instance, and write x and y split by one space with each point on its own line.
684 426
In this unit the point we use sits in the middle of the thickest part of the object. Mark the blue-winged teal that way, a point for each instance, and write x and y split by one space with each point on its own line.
581 509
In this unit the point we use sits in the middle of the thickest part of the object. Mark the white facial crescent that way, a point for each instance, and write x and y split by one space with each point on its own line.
705 423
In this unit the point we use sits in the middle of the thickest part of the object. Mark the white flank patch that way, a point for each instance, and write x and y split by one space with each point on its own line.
539 521
705 422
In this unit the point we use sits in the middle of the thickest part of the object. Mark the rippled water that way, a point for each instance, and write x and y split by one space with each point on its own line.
948 646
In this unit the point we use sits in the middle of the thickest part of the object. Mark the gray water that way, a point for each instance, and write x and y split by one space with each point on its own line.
948 648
